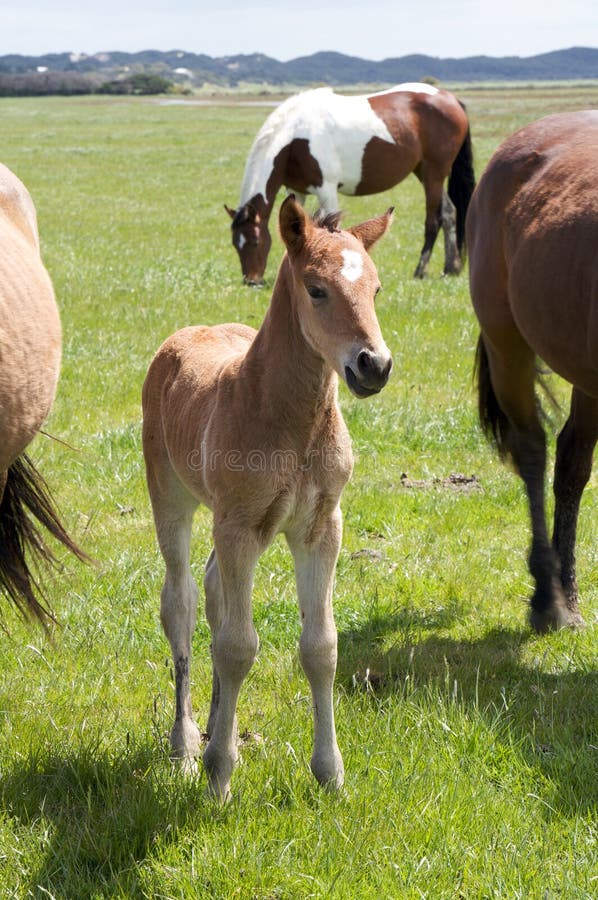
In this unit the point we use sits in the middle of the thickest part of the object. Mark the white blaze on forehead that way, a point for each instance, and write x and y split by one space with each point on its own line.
241 241
353 265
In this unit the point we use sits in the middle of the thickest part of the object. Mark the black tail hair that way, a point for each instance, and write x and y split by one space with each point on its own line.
492 419
26 498
461 185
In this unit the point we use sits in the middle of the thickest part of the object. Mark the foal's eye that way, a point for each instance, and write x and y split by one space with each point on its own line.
377 291
316 293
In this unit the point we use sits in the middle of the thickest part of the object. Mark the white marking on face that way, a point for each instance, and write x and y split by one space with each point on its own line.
353 265
241 242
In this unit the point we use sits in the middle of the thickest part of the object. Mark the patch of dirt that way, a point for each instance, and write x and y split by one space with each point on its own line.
454 482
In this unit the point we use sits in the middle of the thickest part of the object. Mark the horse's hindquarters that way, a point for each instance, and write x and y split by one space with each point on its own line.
30 347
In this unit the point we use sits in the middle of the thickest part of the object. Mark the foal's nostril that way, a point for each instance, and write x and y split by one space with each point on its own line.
364 362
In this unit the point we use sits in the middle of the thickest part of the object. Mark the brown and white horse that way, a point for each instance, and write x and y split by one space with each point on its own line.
248 423
322 143
532 231
30 348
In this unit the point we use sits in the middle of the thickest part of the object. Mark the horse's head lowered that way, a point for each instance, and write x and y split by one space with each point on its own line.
251 240
335 283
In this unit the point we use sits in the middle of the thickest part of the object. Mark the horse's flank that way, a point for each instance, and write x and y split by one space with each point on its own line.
30 334
30 350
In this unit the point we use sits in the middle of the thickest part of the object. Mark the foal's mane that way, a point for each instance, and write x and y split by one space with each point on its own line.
330 221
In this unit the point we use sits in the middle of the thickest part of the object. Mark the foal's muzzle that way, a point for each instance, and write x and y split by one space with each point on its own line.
369 373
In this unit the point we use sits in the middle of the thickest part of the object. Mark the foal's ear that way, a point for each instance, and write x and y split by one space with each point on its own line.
293 224
371 231
232 212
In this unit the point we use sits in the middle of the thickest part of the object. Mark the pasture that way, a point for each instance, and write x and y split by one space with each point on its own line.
470 744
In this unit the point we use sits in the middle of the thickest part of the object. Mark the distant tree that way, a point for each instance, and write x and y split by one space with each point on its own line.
150 83
139 83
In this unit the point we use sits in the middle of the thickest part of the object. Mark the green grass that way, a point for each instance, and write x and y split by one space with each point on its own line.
470 744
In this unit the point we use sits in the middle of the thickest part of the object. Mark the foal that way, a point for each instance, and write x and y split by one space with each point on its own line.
248 423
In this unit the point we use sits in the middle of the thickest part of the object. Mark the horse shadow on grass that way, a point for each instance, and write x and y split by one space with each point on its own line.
552 716
100 818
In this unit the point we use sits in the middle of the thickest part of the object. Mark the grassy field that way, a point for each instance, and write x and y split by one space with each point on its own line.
470 745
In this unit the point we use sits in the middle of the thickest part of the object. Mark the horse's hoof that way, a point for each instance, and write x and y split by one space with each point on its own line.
554 619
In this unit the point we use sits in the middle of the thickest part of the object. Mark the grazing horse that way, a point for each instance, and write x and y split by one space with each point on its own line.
30 348
322 143
248 423
532 231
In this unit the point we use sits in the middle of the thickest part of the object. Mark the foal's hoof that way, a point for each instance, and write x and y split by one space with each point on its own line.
185 745
329 773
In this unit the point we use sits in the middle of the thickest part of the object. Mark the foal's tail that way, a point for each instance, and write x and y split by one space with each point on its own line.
492 419
461 185
26 497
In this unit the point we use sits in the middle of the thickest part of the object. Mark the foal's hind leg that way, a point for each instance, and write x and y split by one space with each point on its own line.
315 562
234 646
573 467
214 611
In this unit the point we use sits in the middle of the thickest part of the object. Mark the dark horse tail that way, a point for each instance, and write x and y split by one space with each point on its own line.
26 497
492 419
461 184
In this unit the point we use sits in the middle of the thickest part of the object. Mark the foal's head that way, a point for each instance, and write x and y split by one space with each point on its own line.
252 241
335 282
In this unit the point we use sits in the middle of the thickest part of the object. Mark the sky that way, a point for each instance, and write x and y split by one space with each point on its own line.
371 29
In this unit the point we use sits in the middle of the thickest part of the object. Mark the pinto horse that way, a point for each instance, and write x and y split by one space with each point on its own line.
532 231
248 423
322 143
30 348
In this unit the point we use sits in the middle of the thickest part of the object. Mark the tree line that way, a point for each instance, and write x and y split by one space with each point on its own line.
38 84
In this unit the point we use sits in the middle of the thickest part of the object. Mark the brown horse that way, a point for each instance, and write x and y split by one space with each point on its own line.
248 423
532 231
30 347
322 143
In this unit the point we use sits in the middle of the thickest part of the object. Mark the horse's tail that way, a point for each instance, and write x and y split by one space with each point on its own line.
461 185
492 419
26 497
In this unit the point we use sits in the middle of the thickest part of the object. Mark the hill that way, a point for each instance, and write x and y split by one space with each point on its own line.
195 70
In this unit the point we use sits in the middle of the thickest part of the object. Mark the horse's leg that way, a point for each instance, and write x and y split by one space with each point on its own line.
327 196
300 198
513 381
448 221
214 611
173 514
432 184
234 647
573 467
314 567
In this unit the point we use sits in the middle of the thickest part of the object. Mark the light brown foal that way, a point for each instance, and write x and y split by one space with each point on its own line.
248 423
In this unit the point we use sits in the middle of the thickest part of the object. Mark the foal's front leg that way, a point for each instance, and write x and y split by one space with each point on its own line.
234 647
314 567
178 610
